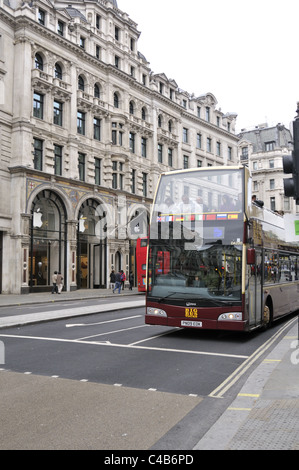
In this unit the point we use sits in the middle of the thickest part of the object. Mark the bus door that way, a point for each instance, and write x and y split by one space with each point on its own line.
254 272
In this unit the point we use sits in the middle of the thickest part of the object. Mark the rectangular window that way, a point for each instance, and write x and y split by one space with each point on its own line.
81 123
121 181
269 146
209 144
185 135
38 105
272 184
98 52
144 184
58 112
41 17
117 33
82 42
117 62
244 155
57 159
98 21
286 204
114 137
97 170
114 180
133 187
218 149
230 153
38 154
60 28
132 142
143 147
120 138
198 141
170 157
272 204
186 161
271 163
160 153
97 129
81 166
207 114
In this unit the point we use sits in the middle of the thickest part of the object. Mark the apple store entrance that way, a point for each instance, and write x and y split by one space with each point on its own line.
91 246
47 240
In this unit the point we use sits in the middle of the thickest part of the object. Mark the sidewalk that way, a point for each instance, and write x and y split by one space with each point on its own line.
264 415
126 299
45 297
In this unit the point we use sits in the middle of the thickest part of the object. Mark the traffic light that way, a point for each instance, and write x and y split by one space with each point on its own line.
291 165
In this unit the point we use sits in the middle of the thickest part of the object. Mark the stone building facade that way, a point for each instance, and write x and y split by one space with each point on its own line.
85 130
262 150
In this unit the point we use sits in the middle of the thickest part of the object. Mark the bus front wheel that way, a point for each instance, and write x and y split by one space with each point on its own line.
266 317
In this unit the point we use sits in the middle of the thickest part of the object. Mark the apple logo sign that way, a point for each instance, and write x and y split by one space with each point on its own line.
82 224
37 219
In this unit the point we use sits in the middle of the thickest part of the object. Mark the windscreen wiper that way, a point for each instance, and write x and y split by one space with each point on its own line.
166 296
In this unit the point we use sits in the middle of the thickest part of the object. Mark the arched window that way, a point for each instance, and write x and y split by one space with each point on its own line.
47 240
39 63
92 245
170 125
116 100
80 83
96 91
131 107
159 120
143 114
58 71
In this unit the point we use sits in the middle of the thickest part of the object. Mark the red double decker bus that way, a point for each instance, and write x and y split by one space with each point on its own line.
141 257
161 266
231 264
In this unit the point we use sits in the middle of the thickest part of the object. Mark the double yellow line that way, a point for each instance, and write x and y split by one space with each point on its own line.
237 374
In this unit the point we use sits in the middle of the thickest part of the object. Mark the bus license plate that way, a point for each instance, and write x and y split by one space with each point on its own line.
196 324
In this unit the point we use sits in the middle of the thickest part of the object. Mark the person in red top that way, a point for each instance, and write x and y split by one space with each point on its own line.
123 278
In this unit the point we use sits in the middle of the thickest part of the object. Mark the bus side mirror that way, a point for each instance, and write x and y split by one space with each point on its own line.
250 256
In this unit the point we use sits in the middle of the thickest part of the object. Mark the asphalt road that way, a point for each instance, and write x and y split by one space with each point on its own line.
115 383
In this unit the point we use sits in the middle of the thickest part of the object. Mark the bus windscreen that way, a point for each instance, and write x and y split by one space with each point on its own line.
197 222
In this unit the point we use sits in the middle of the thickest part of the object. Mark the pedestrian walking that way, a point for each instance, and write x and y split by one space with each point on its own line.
59 283
123 278
131 280
117 282
112 279
54 282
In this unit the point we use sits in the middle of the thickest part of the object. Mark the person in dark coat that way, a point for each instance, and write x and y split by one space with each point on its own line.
117 282
131 280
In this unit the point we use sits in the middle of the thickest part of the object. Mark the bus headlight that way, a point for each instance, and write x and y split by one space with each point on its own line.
156 311
230 316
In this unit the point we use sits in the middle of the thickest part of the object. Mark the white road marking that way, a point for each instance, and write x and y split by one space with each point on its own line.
125 346
235 376
152 337
111 332
71 325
